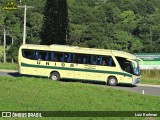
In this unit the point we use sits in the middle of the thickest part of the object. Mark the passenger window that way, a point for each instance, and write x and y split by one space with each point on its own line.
42 55
59 57
69 57
102 60
93 60
48 56
29 54
99 60
52 56
108 61
81 58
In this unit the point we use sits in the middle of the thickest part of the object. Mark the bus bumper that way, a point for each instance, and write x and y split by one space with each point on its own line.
135 80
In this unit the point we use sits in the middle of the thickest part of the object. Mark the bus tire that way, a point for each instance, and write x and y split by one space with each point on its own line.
112 81
54 76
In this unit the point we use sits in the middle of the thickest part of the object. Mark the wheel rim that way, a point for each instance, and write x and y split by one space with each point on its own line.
112 81
54 77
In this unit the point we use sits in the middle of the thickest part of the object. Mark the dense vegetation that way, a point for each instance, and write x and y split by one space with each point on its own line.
55 25
129 25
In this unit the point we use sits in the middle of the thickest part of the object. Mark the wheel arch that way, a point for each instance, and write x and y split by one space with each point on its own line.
111 77
55 72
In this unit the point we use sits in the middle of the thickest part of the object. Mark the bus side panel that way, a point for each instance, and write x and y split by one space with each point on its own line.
59 67
127 80
30 67
80 71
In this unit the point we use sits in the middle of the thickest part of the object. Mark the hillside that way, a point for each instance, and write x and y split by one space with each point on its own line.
128 25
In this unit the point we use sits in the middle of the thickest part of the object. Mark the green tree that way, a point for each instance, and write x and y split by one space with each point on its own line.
122 40
111 11
136 45
126 21
55 25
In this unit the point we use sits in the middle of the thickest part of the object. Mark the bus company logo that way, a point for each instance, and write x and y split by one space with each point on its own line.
6 114
10 6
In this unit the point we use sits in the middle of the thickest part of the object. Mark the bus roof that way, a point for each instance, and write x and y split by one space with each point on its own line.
76 49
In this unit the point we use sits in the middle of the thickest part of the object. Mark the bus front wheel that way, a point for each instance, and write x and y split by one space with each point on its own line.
54 76
112 81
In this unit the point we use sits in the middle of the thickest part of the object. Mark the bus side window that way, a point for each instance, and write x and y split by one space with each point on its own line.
58 57
62 57
78 58
73 57
28 54
104 61
108 61
66 57
93 59
99 60
42 55
47 56
23 53
36 55
84 60
111 61
69 57
81 58
52 56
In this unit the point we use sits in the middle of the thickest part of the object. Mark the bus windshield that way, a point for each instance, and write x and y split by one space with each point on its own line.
130 66
136 68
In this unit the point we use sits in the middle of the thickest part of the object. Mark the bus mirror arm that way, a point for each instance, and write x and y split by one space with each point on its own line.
140 60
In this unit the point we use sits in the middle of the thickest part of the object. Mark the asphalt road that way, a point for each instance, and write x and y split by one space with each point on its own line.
153 90
142 89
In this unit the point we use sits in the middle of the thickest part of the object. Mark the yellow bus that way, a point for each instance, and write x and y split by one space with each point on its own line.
72 62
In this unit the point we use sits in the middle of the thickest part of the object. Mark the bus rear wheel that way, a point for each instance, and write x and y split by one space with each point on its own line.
112 81
54 76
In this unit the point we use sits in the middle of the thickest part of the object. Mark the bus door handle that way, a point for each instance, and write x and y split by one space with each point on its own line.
47 63
38 62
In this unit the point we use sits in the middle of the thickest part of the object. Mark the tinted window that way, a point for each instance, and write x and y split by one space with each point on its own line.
42 55
81 58
125 64
68 57
102 60
30 54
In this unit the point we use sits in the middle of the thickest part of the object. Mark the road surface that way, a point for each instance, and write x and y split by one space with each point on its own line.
153 90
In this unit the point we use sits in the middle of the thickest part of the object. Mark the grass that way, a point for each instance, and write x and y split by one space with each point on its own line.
150 77
150 81
9 66
38 94
147 74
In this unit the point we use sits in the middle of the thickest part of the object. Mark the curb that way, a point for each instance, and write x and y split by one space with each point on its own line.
3 70
147 85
